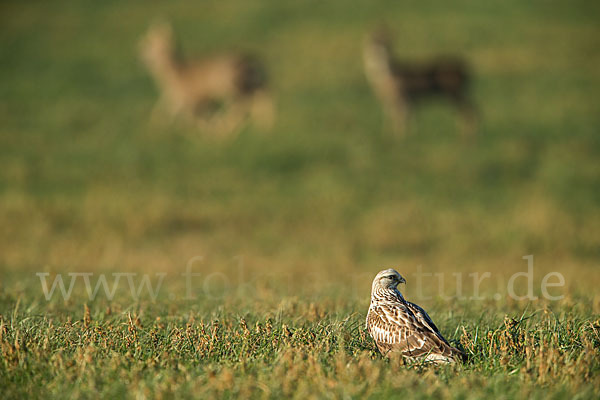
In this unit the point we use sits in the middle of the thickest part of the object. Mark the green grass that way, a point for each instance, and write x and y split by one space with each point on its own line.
299 219
300 350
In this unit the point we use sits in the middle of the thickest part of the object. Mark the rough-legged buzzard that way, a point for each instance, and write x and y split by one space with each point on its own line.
397 325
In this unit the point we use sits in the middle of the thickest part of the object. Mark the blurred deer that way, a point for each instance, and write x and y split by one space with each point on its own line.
400 85
217 93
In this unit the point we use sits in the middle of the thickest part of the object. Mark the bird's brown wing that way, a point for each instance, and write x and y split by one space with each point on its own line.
426 320
395 327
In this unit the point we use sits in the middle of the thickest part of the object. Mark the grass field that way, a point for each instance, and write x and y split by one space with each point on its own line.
287 228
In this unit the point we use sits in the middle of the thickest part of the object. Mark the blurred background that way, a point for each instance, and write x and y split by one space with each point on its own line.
87 183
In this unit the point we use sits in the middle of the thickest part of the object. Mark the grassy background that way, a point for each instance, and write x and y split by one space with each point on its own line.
301 218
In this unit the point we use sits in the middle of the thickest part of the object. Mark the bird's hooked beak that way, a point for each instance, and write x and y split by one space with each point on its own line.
402 280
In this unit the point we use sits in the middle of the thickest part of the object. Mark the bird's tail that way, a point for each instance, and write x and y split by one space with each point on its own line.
459 354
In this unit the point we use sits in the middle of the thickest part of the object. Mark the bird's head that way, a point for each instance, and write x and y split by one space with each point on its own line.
388 279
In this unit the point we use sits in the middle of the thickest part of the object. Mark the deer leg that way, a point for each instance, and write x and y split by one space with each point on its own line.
262 110
227 119
235 115
207 115
468 118
397 110
163 111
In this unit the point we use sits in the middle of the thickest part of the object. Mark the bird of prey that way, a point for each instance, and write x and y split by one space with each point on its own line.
397 325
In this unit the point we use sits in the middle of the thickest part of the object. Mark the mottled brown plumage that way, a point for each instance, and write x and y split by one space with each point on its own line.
397 325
